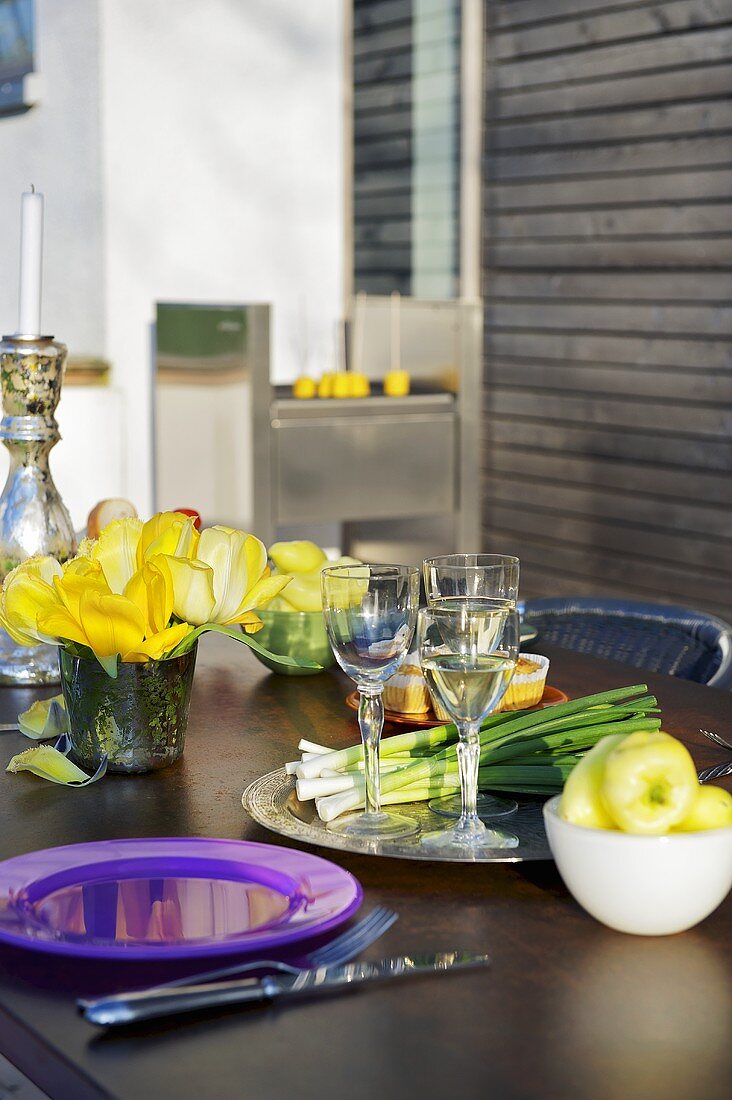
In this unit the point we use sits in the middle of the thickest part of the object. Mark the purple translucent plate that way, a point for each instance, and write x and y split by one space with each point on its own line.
174 898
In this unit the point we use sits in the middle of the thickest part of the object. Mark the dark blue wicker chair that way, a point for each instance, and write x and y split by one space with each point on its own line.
649 636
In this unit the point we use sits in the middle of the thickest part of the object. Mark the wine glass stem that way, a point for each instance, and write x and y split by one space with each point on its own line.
371 722
468 752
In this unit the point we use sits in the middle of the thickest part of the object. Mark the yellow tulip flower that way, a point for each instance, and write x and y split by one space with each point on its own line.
80 575
166 533
83 565
151 589
227 580
142 591
28 590
240 575
116 552
113 624
193 591
155 647
107 623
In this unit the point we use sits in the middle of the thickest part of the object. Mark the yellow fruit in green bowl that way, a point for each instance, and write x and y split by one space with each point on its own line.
298 556
299 634
581 801
304 561
303 592
711 809
649 783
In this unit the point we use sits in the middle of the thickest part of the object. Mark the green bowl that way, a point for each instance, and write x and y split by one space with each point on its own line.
299 634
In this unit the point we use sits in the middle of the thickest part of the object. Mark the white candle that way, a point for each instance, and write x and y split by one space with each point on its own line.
31 250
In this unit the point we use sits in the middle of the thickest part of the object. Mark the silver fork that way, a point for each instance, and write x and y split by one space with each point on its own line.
339 950
715 772
717 739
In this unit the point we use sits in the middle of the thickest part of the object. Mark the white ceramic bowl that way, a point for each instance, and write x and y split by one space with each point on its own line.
648 885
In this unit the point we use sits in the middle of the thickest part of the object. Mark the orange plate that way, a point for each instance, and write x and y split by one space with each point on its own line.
549 698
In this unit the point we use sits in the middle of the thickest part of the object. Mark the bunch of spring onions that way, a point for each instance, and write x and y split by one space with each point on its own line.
525 752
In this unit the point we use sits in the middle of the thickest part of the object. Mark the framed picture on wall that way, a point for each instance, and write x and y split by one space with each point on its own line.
16 53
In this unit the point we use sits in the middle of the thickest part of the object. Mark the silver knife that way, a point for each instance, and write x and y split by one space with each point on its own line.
148 1004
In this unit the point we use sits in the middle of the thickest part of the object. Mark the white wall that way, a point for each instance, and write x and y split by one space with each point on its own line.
188 150
56 147
222 174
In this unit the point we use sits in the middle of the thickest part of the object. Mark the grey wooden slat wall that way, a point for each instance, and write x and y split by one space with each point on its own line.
382 135
608 286
406 146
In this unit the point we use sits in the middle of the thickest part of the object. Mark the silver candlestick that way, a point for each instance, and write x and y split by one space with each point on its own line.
33 518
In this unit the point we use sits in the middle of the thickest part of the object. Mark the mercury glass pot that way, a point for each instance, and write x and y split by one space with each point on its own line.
33 518
137 720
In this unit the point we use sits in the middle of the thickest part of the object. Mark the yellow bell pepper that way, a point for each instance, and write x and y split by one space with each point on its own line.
325 385
298 556
396 383
342 384
360 385
649 784
711 809
304 388
303 592
581 801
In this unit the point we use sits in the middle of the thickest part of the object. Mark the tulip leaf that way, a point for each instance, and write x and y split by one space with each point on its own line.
246 639
109 664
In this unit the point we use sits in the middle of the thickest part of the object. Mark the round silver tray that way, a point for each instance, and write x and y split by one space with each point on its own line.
272 802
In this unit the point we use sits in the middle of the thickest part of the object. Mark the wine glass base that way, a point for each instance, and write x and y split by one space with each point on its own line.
461 843
374 826
488 807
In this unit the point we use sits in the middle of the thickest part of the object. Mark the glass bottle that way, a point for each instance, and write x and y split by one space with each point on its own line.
33 518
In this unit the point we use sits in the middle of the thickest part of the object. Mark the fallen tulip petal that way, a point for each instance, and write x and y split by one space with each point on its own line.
50 764
45 719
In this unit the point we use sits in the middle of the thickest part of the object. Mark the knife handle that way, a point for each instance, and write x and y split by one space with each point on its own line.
148 1005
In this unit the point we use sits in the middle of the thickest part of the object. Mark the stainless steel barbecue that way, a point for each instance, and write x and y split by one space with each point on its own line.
399 475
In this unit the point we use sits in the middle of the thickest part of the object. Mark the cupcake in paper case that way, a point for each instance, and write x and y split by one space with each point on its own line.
525 690
406 691
527 683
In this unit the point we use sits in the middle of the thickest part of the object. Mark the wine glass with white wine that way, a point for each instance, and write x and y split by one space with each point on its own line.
468 652
476 577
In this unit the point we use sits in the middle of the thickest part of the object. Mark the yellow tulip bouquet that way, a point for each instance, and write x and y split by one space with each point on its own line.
142 592
127 613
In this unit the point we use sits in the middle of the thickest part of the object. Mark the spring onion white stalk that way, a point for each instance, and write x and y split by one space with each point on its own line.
311 746
521 751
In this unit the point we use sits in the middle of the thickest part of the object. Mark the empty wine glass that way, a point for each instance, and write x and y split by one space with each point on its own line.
490 577
370 613
468 654
459 576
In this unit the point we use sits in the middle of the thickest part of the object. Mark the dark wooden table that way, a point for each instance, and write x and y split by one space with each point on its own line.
569 1008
